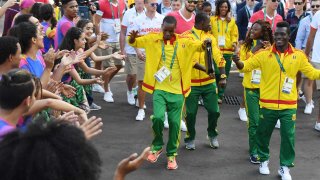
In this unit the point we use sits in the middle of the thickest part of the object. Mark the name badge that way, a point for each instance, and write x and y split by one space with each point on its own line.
221 41
117 27
162 74
287 85
256 76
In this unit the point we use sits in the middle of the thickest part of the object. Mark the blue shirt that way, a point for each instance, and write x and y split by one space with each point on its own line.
303 32
34 66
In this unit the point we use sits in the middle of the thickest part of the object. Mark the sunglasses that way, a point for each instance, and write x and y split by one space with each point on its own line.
275 1
194 2
298 3
154 4
315 6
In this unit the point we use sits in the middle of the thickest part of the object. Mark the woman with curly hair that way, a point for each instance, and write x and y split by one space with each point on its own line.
259 37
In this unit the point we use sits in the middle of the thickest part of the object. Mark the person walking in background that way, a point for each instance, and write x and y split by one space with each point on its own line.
226 34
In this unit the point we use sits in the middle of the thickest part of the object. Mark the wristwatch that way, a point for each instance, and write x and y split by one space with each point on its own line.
223 76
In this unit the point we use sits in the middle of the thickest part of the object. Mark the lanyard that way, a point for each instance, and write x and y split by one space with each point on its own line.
279 62
163 55
219 26
112 13
265 17
195 35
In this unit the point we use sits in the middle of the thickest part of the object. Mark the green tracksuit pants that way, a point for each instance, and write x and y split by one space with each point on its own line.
172 103
228 58
251 97
210 100
268 119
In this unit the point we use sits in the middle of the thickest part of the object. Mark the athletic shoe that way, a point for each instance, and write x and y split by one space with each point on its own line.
241 75
219 101
154 155
108 97
317 126
301 94
200 102
97 88
172 163
263 168
85 107
137 104
166 123
243 114
141 115
278 124
308 109
254 159
130 98
94 107
284 172
190 145
183 126
213 141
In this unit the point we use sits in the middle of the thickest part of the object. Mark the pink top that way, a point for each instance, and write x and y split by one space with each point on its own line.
105 7
183 24
260 16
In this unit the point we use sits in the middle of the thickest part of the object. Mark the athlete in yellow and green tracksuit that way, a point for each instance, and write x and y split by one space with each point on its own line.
278 96
168 95
251 82
226 35
202 84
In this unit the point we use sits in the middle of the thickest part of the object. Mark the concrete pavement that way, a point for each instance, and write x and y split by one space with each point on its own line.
123 135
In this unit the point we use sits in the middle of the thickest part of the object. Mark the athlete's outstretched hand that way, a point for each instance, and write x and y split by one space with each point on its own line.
133 35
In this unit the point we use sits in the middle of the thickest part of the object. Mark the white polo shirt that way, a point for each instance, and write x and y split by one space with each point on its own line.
128 22
145 25
315 24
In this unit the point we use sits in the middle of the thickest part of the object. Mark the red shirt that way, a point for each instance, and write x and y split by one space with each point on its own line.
105 7
260 16
183 24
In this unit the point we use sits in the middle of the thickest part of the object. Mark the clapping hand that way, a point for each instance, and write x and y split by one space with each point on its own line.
130 164
49 58
92 127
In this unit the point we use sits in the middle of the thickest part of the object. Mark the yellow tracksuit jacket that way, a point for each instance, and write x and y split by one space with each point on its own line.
152 44
272 78
227 29
246 82
200 78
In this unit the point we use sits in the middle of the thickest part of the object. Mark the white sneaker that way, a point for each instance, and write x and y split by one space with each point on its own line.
278 124
308 109
317 126
108 97
243 114
263 168
137 104
284 172
130 98
183 126
141 115
97 88
241 74
166 123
